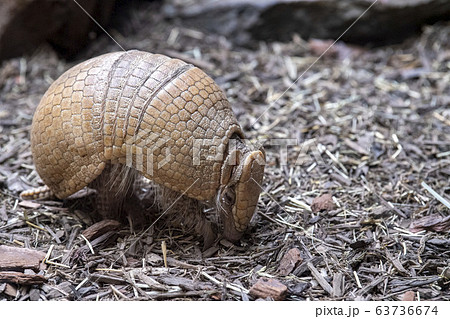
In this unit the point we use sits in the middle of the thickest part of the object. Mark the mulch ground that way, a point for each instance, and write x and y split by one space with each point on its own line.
355 201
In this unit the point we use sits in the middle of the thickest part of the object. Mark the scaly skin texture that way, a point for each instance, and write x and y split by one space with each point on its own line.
162 117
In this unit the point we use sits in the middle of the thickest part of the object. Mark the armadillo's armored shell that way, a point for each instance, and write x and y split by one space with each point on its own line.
136 108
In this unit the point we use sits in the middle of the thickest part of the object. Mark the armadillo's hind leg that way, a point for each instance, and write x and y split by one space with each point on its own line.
43 192
186 213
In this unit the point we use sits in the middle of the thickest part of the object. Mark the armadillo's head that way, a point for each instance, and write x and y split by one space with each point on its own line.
240 186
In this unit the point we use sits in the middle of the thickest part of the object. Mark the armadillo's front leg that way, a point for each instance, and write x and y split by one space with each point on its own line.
114 186
186 213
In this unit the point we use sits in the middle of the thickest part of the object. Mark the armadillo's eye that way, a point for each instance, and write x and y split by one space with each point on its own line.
229 196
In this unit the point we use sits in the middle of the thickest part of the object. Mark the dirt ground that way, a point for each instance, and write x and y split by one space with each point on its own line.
369 128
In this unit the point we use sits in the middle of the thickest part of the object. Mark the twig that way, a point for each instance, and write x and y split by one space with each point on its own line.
179 294
227 285
88 244
164 252
118 292
436 195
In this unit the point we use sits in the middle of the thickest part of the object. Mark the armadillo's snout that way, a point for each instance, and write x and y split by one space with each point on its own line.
247 190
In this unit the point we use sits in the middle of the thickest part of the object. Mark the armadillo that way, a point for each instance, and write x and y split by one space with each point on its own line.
153 115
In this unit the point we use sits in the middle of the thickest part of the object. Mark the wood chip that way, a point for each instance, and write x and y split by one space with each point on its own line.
185 283
35 294
322 282
29 204
13 258
3 214
432 222
151 283
62 290
338 285
176 263
289 261
268 287
100 228
323 203
97 243
304 265
341 179
108 279
10 290
356 147
409 296
397 264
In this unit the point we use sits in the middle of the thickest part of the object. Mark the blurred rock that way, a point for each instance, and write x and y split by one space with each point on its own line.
24 24
388 21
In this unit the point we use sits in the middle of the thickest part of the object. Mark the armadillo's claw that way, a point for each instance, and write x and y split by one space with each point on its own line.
42 192
209 235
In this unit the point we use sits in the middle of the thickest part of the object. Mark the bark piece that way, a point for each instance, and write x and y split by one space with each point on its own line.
323 203
431 223
29 204
289 261
100 228
269 287
21 278
13 258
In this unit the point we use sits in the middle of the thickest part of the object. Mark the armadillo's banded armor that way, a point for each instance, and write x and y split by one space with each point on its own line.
126 107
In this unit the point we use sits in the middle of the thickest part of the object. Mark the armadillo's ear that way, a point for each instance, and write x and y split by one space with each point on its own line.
249 166
263 152
229 165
